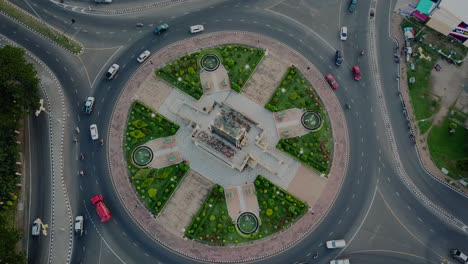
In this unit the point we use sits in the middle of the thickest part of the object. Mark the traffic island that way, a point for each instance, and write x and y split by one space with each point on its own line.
281 217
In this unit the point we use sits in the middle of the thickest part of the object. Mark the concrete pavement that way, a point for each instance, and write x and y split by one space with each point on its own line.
193 249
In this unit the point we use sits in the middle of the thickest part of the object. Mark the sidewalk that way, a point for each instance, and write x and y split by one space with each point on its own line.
59 229
422 147
258 249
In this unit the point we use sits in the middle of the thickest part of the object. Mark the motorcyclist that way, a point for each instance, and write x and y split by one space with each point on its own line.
81 172
81 156
362 52
101 142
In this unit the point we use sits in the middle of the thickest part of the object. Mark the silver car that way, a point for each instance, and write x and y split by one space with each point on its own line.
36 227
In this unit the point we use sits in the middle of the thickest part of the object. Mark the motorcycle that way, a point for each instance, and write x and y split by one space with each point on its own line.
81 172
362 52
81 156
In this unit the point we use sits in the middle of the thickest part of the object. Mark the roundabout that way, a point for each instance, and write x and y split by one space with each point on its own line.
240 194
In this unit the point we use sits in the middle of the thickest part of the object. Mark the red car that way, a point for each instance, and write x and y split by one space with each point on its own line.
101 208
356 73
331 80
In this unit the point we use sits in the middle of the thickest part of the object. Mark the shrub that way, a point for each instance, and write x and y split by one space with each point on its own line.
269 212
293 96
152 192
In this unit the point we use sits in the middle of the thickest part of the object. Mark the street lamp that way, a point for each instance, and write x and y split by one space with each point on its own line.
72 22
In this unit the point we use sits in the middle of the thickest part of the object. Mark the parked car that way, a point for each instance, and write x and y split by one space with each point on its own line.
161 28
338 58
340 261
101 208
344 33
143 56
103 1
36 227
458 255
79 225
112 71
89 105
352 5
331 80
196 28
94 132
336 244
356 73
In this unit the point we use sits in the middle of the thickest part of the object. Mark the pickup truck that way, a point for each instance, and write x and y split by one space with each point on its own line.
101 208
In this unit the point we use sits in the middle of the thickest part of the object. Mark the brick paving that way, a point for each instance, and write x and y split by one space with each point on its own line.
422 148
259 249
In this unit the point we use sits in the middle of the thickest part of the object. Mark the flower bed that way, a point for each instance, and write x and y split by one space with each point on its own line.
144 125
296 92
154 186
239 61
212 223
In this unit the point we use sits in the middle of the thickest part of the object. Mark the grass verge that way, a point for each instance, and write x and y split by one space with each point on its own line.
449 150
40 27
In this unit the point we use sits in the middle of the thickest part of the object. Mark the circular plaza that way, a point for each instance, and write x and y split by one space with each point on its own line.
229 146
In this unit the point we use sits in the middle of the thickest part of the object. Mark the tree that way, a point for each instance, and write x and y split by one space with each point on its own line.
452 127
8 239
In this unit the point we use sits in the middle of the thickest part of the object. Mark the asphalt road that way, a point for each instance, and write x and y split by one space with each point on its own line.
372 188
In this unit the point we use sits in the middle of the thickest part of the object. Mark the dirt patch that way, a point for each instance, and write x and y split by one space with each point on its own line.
267 77
448 85
184 204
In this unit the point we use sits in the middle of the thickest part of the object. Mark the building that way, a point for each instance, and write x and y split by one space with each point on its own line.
449 17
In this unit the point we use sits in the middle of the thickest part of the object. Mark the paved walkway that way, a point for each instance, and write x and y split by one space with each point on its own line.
262 248
423 149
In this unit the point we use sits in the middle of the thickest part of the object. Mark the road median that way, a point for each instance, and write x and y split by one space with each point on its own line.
12 11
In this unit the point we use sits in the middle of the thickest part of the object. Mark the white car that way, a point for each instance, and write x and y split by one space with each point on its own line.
94 132
336 243
112 71
340 261
143 56
79 221
36 227
196 28
344 33
89 105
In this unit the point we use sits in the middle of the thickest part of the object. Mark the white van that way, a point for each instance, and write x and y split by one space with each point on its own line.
340 261
79 222
196 28
336 244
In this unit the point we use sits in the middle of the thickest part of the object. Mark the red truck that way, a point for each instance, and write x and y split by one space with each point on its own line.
101 208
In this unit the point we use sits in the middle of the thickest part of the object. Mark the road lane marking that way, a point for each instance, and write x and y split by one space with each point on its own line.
409 208
420 220
339 222
125 234
331 233
397 193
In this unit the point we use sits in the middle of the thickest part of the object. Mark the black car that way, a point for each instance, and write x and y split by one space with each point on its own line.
338 58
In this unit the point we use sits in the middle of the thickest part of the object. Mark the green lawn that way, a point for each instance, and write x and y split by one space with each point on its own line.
420 91
239 61
295 91
459 116
212 223
424 126
40 27
184 73
144 125
154 186
449 151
